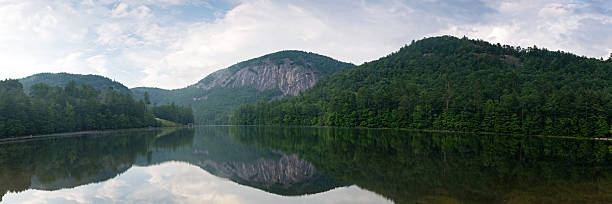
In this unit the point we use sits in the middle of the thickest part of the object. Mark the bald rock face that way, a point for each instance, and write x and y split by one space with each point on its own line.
290 72
288 77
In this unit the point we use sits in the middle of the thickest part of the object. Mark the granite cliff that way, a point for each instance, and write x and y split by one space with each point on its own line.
291 72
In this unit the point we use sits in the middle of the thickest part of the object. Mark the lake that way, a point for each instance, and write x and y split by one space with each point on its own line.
233 164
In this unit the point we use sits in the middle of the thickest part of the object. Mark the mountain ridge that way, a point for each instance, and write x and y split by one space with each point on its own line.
448 83
62 78
268 77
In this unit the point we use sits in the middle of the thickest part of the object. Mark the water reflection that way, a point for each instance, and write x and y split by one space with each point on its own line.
272 164
420 167
70 162
178 182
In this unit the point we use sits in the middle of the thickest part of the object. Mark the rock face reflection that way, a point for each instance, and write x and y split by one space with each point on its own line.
59 163
273 171
286 171
288 175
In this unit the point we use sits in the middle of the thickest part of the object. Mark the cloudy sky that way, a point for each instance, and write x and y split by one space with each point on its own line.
175 43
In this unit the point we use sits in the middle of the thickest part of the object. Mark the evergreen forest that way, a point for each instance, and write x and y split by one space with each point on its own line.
53 109
448 83
174 113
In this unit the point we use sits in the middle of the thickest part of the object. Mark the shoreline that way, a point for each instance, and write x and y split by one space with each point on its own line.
70 134
426 130
96 132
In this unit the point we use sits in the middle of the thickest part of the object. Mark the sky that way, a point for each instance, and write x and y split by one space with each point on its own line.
175 43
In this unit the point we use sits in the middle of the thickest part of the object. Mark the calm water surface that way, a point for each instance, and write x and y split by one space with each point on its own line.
304 165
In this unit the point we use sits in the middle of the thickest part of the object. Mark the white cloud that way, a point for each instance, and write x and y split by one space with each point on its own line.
556 26
557 10
256 28
99 62
110 190
120 10
148 43
111 34
71 63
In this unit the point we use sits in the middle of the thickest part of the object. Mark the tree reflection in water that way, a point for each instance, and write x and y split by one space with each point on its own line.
404 166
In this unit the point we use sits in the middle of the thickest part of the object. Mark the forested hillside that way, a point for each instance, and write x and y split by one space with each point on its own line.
447 83
99 83
264 78
174 113
211 106
53 109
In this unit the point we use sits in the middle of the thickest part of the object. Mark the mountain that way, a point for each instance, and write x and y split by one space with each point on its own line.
291 72
447 83
61 79
261 79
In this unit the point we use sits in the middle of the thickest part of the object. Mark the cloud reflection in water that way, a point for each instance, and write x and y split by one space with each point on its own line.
179 182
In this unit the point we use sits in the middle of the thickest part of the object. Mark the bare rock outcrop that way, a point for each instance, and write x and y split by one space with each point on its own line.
291 72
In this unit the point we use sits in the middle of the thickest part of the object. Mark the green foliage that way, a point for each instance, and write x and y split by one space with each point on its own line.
147 99
167 123
160 96
55 109
99 83
448 83
219 102
212 106
174 113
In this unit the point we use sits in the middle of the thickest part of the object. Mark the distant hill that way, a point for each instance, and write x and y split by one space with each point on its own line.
61 79
447 83
261 79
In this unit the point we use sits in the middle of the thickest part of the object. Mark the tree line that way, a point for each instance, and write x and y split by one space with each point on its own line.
53 109
447 83
174 113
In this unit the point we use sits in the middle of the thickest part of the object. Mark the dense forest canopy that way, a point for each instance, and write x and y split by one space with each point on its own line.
99 83
212 106
53 109
174 113
448 83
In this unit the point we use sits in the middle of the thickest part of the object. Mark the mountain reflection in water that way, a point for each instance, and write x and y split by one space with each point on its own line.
300 164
